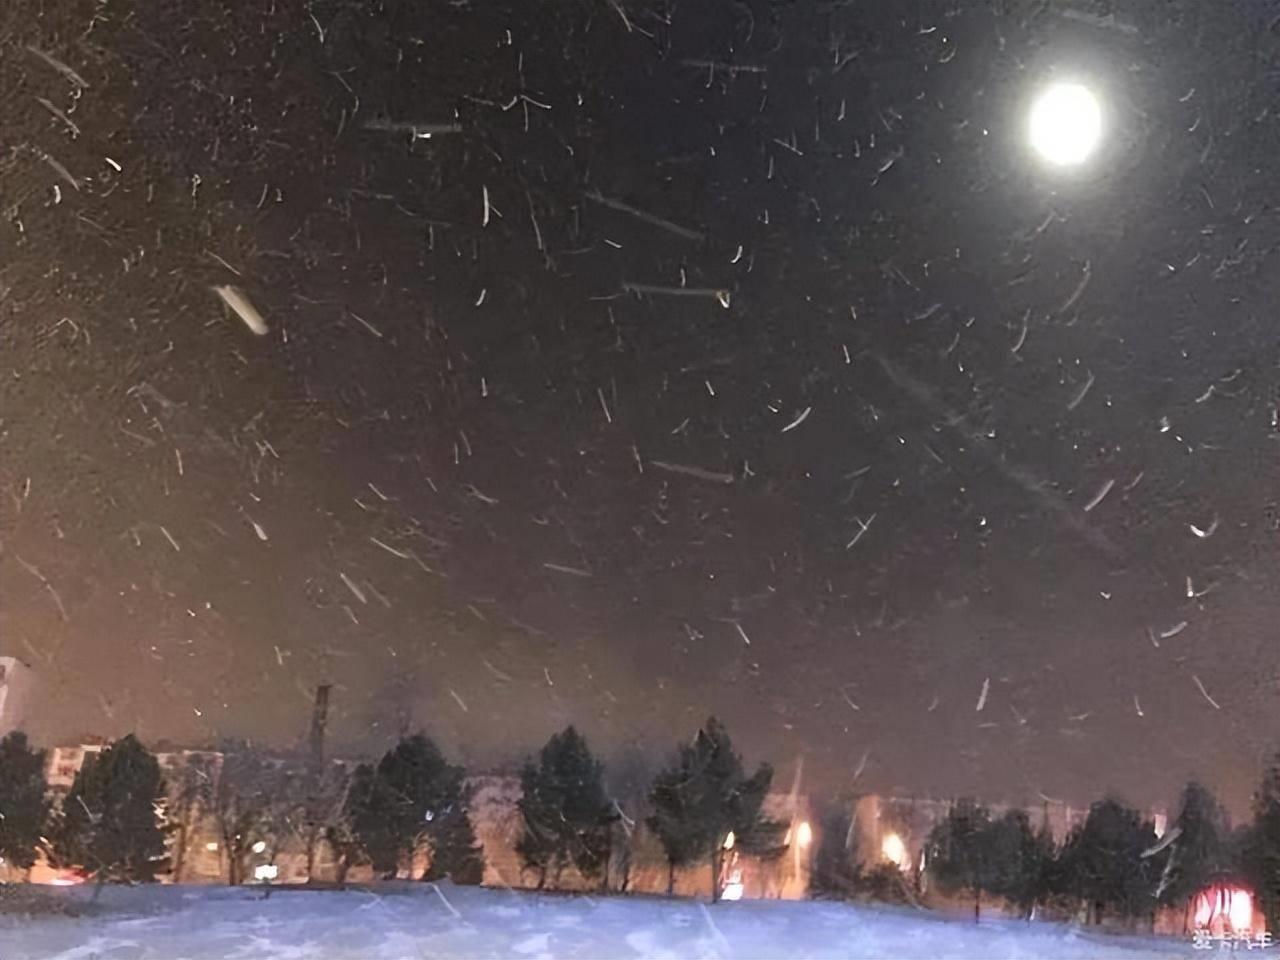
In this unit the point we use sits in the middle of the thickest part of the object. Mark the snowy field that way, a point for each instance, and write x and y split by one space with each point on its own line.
417 921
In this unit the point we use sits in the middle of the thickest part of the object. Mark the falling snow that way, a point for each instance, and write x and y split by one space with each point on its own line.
349 343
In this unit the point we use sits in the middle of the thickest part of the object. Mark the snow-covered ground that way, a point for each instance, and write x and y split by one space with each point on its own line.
418 921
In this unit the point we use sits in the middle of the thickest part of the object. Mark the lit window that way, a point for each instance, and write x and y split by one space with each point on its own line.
211 846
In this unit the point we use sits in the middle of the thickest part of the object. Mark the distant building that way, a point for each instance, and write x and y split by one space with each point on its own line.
63 763
17 683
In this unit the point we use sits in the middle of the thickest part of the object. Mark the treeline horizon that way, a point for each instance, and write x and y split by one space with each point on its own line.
122 820
116 821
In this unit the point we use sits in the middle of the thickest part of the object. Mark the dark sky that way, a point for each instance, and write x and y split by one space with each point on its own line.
482 478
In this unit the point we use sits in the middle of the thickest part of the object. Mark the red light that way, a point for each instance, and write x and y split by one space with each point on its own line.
1227 906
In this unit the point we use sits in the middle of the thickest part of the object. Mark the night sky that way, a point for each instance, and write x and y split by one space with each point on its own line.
724 356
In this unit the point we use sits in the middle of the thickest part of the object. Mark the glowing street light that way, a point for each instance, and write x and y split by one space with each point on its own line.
1066 124
804 834
894 850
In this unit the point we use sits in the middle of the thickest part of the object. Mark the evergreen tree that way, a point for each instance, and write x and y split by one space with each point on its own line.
1018 861
677 823
404 802
454 851
1261 849
1197 848
960 857
705 796
23 801
369 820
109 823
566 810
1103 862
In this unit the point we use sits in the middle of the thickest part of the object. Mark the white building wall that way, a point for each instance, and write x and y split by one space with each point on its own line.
17 681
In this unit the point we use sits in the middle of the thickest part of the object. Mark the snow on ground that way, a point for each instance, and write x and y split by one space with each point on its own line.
420 922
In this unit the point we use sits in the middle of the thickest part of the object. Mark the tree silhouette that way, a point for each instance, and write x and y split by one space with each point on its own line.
23 800
960 852
1197 847
1018 860
110 824
1103 863
1261 846
703 798
454 851
566 811
404 802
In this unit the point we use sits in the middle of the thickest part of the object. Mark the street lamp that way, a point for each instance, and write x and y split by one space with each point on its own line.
1065 124
894 850
804 834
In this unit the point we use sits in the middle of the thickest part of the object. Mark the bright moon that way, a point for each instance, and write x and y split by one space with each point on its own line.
1066 124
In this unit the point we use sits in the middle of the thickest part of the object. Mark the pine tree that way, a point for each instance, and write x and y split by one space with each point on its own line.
369 808
1261 850
960 855
109 823
22 801
1103 862
1018 861
706 796
1198 850
680 828
403 802
454 851
566 811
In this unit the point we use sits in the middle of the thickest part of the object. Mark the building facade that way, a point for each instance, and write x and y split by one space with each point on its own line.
17 694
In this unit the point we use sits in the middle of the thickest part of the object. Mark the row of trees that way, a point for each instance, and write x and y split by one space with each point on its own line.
695 804
109 822
1114 864
121 820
